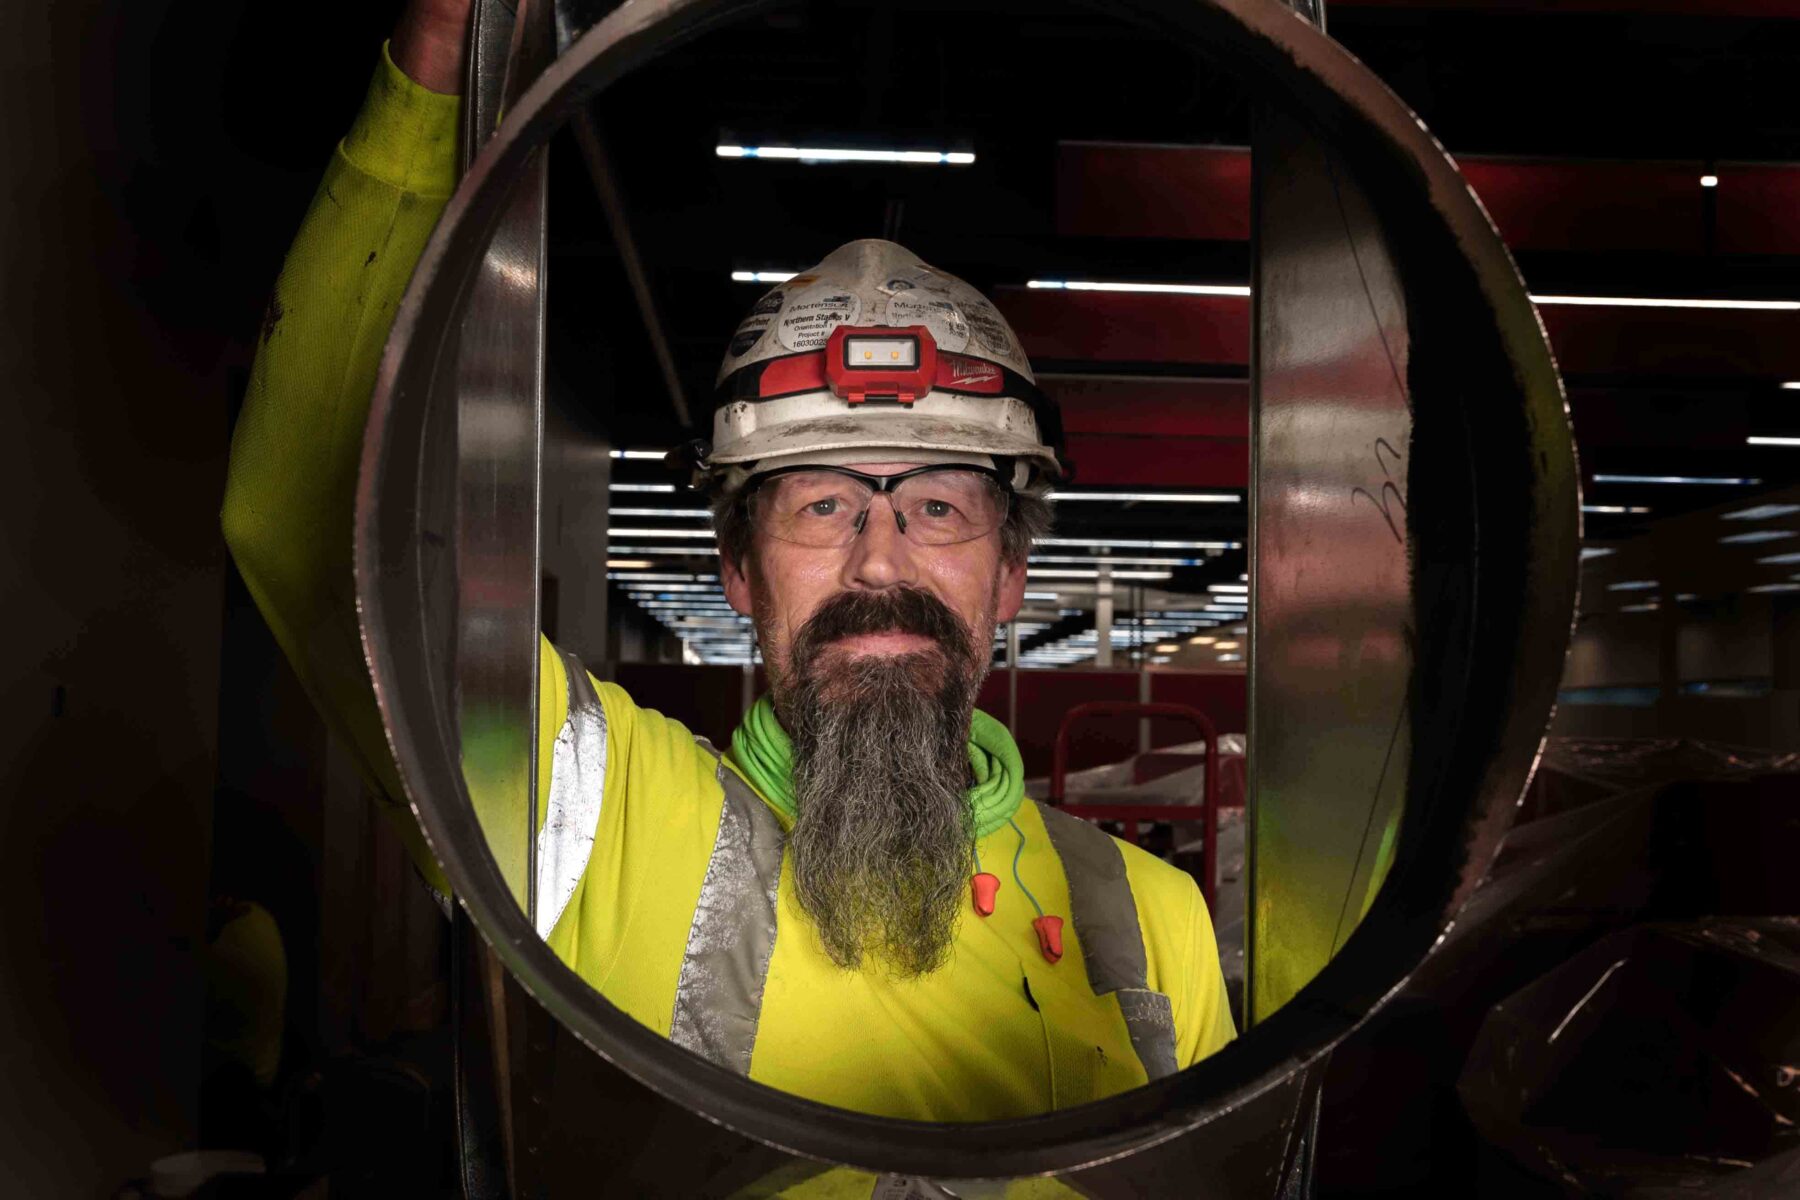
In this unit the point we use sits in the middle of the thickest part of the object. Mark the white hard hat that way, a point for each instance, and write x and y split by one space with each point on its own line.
873 351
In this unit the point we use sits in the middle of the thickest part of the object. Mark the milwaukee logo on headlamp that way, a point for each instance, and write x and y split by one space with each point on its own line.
883 362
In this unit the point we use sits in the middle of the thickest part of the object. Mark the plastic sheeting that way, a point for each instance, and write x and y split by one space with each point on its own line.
1662 1059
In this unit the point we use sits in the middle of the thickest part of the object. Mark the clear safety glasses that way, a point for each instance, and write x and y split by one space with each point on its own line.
937 505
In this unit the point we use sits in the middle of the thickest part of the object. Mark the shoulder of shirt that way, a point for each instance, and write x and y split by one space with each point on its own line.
649 724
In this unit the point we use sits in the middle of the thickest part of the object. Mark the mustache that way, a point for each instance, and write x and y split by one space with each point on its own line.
894 610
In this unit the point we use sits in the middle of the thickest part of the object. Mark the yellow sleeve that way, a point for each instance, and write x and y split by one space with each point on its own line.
294 454
1202 1010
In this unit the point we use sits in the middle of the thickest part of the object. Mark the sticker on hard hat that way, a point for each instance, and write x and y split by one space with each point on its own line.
810 316
990 328
936 314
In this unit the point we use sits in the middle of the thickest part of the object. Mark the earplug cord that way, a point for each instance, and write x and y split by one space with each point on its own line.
1015 865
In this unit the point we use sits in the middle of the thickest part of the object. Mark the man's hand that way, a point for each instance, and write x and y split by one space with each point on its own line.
429 42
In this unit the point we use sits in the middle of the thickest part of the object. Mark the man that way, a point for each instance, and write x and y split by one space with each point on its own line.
855 902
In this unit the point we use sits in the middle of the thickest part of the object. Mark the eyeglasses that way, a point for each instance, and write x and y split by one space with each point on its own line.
934 505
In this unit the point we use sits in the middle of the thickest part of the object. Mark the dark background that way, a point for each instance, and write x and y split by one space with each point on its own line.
158 156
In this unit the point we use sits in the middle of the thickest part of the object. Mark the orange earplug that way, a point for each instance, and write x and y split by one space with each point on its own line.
984 886
1049 931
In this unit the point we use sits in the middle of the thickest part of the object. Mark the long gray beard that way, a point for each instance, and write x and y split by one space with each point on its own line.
883 839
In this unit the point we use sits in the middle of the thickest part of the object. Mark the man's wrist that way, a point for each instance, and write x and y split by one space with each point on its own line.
429 43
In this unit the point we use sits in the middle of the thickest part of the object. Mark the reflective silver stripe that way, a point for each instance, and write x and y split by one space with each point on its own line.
572 811
718 998
1112 943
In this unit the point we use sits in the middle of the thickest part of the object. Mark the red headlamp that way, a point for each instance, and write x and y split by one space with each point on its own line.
887 362
896 363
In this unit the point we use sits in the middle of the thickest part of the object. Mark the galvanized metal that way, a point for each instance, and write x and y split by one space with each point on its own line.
1492 498
498 392
1332 601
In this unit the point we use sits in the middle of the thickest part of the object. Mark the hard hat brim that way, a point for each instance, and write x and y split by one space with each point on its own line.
899 435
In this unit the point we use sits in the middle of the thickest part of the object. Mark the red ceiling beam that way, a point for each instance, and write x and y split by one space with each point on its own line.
1203 192
1214 331
1773 10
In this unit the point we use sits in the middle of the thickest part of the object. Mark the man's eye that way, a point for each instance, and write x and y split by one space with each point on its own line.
937 509
823 508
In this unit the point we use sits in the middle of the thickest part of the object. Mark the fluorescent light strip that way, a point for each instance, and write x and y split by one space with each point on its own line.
640 487
1670 302
1792 385
1133 544
1041 596
1613 508
1711 479
1768 440
660 533
1634 585
1776 587
833 154
1121 561
762 276
1218 289
1761 512
1151 497
1069 573
1637 608
1588 552
1756 535
691 514
664 551
1780 560
1228 587
1176 289
654 577
640 454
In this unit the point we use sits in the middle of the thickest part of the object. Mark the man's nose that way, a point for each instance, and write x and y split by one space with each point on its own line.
881 556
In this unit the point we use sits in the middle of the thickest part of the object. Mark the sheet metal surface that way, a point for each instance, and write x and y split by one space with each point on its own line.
1331 594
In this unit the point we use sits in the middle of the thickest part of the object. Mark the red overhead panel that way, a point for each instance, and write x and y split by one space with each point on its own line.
1127 327
1203 193
1145 328
1150 407
1111 189
1126 460
1764 9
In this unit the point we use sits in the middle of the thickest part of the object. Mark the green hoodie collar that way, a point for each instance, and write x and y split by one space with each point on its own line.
761 751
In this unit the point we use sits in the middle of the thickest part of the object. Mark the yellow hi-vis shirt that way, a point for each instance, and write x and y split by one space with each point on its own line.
1000 1032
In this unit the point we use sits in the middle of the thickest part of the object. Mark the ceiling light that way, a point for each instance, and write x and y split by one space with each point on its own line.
640 487
1671 302
1109 560
1070 573
1202 640
677 513
1638 608
1052 596
1674 479
1178 289
762 276
1167 648
1136 544
666 551
641 454
1228 587
1767 440
1792 385
1588 552
1780 560
1776 587
1231 658
840 154
1633 585
660 533
1613 508
1151 497
1226 645
1756 535
1761 512
1709 181
632 576
629 564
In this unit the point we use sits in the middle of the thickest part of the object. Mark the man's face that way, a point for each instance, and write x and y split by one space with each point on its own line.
875 651
785 584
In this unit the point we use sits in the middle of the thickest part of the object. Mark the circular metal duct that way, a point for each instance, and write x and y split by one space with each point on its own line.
1493 530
